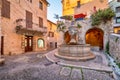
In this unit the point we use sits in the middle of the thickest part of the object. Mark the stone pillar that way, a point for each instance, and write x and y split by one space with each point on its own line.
0 25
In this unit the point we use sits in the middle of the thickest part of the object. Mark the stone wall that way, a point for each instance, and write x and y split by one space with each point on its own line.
115 46
86 25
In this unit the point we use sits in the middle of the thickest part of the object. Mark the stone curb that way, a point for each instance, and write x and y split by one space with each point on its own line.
102 68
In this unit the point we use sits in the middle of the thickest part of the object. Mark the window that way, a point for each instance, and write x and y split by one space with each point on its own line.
117 9
78 3
51 34
50 26
67 3
30 1
41 5
40 22
28 19
117 19
5 9
40 43
118 0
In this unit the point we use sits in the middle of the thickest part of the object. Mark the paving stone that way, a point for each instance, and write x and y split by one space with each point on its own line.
76 74
31 67
92 75
65 71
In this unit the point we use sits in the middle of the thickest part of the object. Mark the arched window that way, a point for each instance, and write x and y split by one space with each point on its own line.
40 43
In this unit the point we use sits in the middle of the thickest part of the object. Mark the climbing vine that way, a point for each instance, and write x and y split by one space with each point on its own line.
107 48
117 38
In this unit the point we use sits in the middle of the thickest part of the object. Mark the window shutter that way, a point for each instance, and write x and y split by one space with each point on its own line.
40 22
5 9
28 19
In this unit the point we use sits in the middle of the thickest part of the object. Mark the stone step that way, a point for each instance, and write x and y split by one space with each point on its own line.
2 61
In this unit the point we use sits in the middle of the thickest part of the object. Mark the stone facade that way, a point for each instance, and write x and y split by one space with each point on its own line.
52 35
15 43
86 26
87 7
114 5
114 45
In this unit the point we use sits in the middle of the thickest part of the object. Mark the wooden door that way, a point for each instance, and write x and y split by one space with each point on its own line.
2 45
28 43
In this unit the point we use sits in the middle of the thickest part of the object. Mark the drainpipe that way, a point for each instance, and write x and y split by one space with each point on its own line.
0 26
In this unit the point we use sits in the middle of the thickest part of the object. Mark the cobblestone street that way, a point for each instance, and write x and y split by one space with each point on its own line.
32 66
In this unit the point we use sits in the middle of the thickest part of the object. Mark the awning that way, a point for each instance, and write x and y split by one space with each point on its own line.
81 15
67 17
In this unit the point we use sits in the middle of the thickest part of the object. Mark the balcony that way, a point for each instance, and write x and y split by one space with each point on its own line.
34 30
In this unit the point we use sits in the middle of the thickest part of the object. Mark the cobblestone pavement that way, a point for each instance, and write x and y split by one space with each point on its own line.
32 66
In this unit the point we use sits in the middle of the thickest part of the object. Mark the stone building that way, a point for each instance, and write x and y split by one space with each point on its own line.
69 5
52 35
114 43
97 36
23 26
115 5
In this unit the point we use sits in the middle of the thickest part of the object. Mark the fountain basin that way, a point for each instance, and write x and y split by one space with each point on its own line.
75 52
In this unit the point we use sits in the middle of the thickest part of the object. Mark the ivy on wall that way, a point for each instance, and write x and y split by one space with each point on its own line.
117 38
102 16
107 48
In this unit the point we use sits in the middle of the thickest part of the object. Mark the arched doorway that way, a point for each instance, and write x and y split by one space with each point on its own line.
94 37
67 37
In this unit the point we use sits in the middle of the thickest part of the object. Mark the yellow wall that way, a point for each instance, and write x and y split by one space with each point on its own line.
52 27
69 5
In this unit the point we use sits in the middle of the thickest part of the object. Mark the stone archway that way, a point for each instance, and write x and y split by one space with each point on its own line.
94 37
67 37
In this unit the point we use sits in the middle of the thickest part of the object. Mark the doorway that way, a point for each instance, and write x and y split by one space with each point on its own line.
2 45
67 37
28 43
94 37
55 44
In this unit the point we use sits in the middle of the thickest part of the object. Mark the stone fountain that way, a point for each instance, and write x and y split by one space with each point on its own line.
75 50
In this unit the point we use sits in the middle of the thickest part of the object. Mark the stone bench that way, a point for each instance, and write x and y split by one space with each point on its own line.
2 61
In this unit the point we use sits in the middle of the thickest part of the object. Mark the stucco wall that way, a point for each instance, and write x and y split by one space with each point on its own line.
69 5
115 46
52 27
